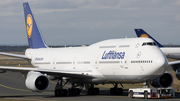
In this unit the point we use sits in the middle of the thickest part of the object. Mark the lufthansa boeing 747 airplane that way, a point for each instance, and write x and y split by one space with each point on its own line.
115 61
170 52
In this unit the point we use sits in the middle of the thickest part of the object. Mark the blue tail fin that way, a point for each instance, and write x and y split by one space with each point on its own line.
142 33
35 39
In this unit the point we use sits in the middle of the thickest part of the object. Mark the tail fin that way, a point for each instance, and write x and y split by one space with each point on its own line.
142 33
35 39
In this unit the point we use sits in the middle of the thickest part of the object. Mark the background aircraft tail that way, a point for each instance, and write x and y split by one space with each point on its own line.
142 33
35 39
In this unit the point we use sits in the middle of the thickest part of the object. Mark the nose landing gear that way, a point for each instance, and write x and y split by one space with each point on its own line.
116 90
91 90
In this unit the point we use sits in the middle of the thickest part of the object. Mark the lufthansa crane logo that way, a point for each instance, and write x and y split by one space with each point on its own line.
138 55
144 35
29 25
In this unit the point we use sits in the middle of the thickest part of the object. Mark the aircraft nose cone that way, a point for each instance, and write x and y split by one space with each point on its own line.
162 63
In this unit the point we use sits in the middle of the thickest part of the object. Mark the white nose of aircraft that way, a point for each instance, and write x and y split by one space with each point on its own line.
161 64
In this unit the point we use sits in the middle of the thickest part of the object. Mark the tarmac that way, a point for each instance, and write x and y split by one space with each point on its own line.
12 87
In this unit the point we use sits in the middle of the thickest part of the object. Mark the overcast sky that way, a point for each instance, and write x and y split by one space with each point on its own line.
73 22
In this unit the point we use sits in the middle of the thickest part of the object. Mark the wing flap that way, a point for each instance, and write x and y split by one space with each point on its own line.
64 73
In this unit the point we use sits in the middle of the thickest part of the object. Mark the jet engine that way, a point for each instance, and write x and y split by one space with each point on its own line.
166 80
37 81
178 75
176 68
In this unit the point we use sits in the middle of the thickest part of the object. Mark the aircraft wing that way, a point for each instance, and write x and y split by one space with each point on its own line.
64 73
15 55
174 64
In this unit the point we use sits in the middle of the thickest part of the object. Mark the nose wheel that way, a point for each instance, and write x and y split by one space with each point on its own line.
91 90
116 90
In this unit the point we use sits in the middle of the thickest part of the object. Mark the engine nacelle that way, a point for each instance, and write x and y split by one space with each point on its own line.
178 73
37 81
176 68
166 80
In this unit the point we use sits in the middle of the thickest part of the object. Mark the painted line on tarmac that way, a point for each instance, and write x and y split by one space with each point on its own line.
21 89
26 99
137 98
172 99
14 88
112 96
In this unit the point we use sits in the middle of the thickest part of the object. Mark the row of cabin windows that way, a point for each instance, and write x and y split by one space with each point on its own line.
121 46
142 61
86 62
101 62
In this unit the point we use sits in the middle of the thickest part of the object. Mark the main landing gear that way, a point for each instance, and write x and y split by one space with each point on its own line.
59 91
74 91
116 90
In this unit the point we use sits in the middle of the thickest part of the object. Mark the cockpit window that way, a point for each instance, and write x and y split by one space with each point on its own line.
149 44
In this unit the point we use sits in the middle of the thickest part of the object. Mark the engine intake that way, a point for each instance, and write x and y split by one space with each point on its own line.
37 81
166 80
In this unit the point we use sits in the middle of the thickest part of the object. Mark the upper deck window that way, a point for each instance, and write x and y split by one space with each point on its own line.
107 47
123 46
149 44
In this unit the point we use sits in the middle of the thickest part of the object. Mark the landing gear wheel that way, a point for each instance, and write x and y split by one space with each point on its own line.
145 95
116 91
119 91
113 91
59 92
76 91
90 91
70 92
96 91
93 91
131 94
64 92
73 91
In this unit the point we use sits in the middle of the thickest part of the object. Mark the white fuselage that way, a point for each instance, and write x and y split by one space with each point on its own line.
115 60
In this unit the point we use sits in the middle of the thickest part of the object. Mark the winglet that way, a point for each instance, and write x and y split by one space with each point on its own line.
142 33
35 39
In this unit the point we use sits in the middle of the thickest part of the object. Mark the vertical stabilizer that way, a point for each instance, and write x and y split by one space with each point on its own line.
35 39
142 33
